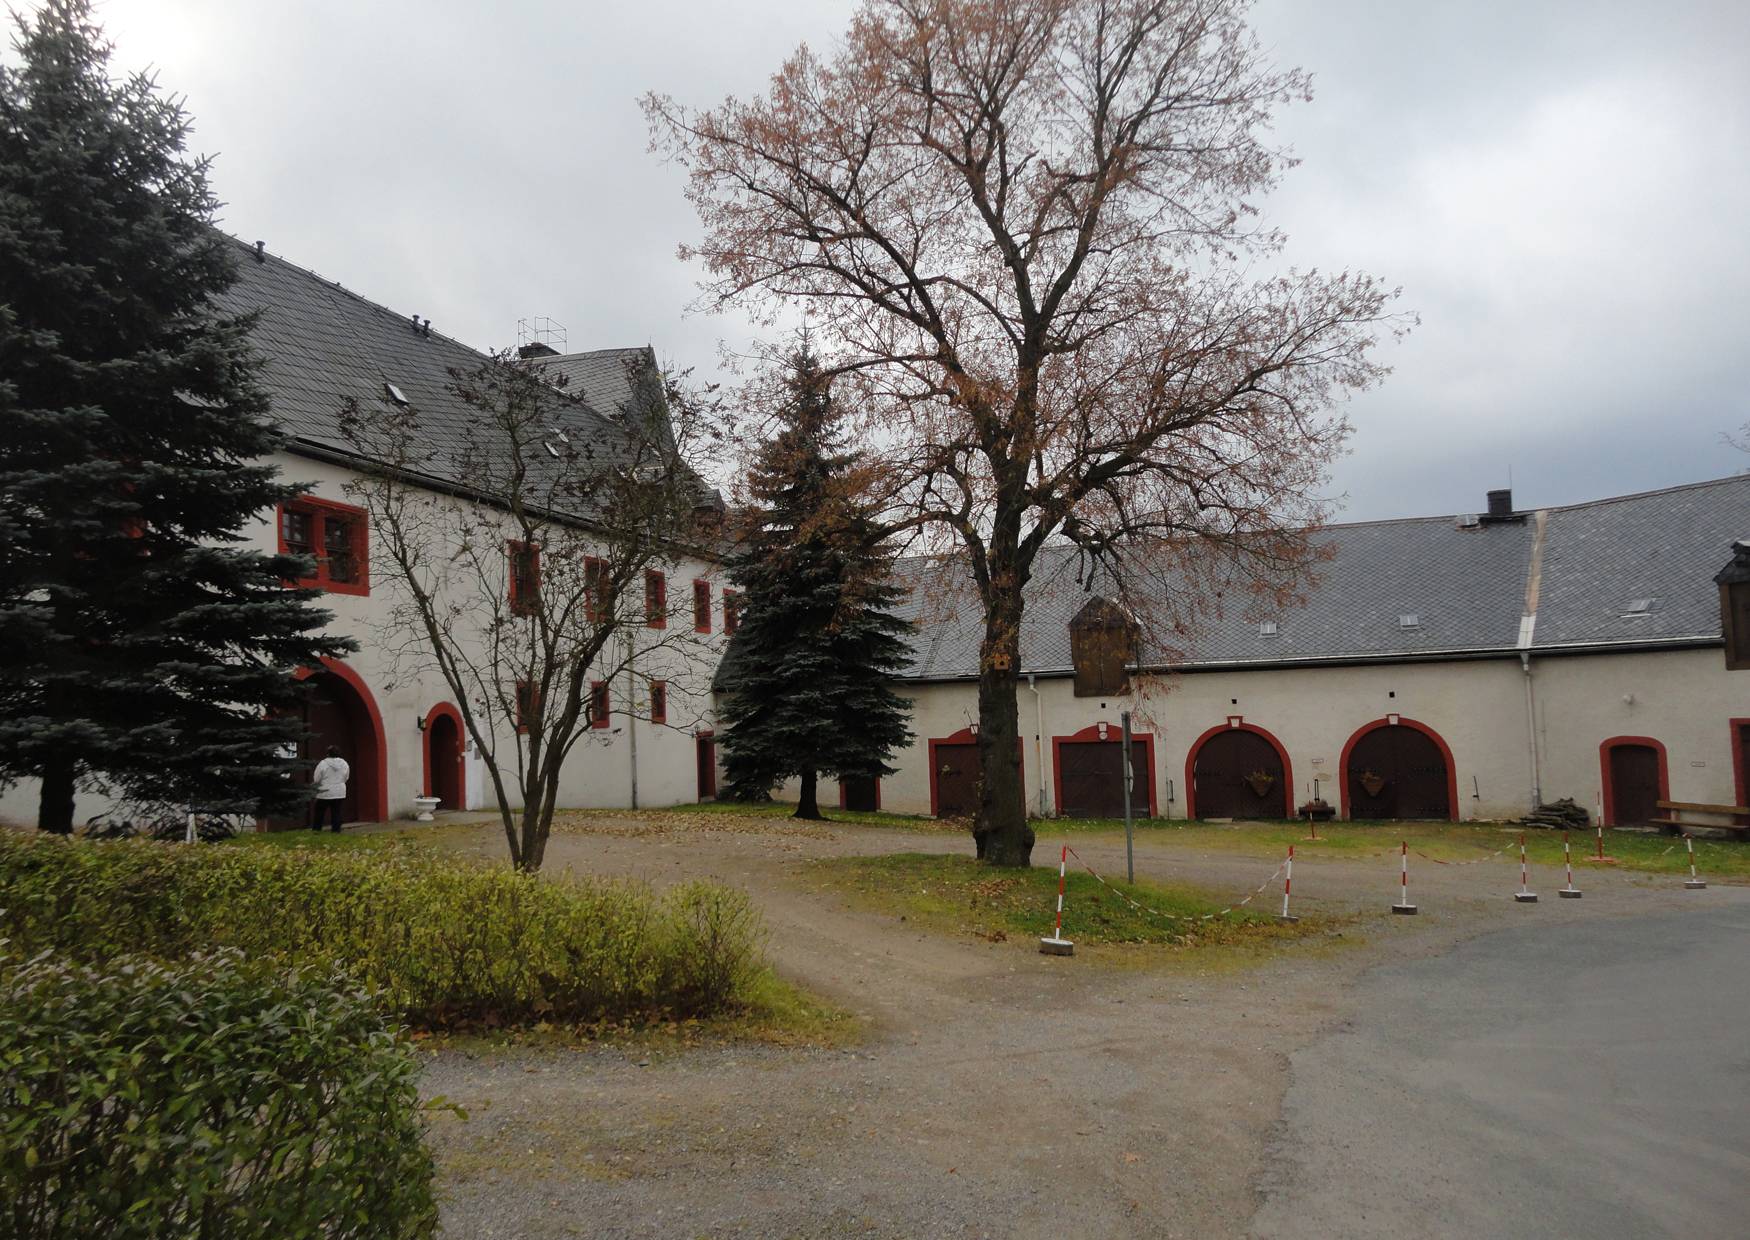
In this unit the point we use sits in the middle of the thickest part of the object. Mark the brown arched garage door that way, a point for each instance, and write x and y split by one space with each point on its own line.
1635 780
954 774
1236 772
1397 768
1090 773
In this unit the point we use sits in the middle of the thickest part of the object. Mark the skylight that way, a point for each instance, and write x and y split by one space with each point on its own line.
1638 607
1266 628
394 393
1409 620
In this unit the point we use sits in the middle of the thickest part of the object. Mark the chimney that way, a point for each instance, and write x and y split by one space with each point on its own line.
536 349
1501 503
261 251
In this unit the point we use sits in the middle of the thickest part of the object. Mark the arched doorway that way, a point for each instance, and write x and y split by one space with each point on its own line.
1238 771
1635 780
1089 771
336 708
444 774
955 781
1398 768
861 793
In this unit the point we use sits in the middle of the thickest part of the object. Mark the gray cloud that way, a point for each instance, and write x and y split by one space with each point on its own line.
1559 188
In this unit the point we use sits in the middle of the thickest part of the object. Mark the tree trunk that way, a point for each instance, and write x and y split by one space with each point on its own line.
55 800
1000 829
808 805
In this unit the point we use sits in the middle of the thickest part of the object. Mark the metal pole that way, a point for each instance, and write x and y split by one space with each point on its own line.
1129 844
191 836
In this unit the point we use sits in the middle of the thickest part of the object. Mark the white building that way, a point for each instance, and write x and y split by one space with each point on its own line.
1446 667
401 733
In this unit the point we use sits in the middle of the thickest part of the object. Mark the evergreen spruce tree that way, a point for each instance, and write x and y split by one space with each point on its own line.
140 647
805 680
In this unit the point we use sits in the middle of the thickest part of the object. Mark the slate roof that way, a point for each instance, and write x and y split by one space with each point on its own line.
599 378
323 344
1467 588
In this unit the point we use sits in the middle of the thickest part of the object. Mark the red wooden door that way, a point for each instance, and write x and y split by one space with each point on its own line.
705 754
1091 779
858 793
445 739
1634 784
956 779
1398 772
1238 774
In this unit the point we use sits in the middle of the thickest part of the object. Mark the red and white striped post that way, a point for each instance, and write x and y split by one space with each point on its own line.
1403 905
1057 945
1599 856
1525 895
1696 882
1570 892
1287 882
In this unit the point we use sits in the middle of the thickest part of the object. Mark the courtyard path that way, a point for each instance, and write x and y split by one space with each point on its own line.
998 1092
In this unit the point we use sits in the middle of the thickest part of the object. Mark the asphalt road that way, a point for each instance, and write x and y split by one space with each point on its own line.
1590 1079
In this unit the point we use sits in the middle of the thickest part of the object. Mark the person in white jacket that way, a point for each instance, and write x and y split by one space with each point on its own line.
329 781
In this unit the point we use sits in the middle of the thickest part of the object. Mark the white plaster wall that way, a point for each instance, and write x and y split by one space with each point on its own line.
1683 698
598 773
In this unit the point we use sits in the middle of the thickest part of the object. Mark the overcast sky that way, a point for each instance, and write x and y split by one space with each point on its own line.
1559 187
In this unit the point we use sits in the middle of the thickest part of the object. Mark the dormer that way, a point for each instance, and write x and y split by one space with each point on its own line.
1102 643
1734 583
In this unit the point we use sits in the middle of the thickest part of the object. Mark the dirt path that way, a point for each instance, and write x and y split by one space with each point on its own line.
998 1093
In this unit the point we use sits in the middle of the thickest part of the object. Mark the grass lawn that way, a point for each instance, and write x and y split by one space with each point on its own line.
960 896
832 813
1449 841
324 841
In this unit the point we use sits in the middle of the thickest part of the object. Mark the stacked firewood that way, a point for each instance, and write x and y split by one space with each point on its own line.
1562 813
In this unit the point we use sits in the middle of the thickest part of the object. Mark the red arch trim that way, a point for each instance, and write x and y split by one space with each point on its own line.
1739 774
1402 722
1604 748
965 736
1238 726
445 710
373 765
1114 735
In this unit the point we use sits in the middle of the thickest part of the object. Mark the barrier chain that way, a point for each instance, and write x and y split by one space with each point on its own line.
1143 908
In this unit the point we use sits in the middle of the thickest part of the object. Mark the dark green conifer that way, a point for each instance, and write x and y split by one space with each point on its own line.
140 645
807 678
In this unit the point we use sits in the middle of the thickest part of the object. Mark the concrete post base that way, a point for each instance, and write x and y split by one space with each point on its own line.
1056 947
1570 893
1525 897
1694 884
1407 909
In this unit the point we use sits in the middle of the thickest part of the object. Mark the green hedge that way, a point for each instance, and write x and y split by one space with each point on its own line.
212 1098
440 942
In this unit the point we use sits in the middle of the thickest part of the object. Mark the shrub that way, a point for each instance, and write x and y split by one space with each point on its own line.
440 942
215 1097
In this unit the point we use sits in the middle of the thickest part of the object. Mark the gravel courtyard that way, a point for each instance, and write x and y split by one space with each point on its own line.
994 1091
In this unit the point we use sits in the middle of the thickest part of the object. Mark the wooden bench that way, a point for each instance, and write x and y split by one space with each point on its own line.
1673 817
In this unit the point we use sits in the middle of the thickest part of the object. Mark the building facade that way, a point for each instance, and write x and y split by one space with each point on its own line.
1459 667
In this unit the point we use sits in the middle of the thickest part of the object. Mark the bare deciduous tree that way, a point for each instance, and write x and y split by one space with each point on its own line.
519 545
1025 231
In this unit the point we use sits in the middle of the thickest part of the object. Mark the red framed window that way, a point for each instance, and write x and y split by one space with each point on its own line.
528 704
597 585
599 705
659 701
701 606
336 536
731 611
525 578
655 599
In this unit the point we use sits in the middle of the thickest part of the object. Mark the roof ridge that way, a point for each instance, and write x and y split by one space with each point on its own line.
1670 490
335 286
